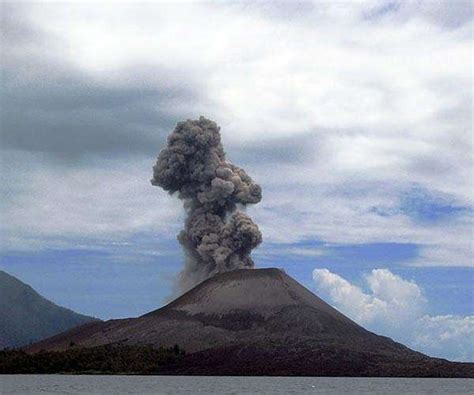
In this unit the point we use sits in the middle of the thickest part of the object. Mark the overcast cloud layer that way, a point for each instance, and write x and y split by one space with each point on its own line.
365 107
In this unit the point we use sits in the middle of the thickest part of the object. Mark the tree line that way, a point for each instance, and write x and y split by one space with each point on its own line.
108 359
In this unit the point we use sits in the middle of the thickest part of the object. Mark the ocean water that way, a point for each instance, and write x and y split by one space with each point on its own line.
62 384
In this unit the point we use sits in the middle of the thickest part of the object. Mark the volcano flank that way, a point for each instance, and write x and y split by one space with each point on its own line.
259 322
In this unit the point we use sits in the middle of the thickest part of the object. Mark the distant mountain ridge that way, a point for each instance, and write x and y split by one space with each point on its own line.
259 322
26 316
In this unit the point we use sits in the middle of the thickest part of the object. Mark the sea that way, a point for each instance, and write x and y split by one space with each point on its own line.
67 384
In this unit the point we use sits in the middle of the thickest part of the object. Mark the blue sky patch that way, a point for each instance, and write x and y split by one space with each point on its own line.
422 206
382 10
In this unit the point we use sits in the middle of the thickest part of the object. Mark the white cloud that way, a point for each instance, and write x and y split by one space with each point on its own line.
446 332
347 216
368 88
47 207
397 308
392 301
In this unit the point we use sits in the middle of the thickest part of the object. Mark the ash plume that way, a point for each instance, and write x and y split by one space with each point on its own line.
216 236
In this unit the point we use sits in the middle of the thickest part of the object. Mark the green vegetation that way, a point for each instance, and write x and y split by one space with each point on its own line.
103 359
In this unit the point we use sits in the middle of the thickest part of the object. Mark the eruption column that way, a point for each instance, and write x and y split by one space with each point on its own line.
216 236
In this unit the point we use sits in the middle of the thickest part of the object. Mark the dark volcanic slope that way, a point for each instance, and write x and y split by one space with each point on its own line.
260 321
25 316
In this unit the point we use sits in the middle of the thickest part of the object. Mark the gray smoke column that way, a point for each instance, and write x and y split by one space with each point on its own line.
216 236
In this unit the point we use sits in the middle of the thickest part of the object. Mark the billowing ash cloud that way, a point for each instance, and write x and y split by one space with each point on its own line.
216 237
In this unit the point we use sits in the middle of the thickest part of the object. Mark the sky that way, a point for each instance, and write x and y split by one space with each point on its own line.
355 117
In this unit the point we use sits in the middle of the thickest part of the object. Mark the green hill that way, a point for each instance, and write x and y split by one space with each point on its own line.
26 316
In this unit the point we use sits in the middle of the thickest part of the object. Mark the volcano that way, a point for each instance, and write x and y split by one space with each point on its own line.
259 322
